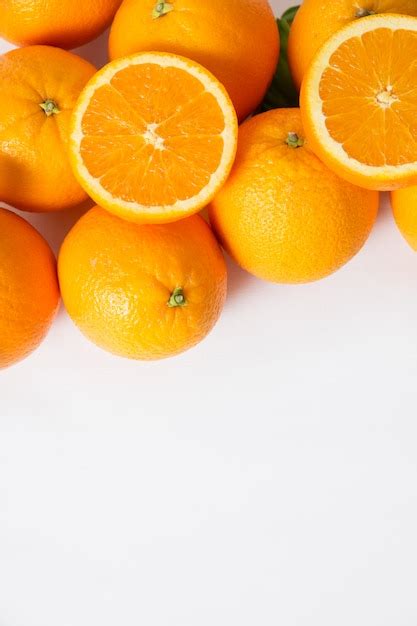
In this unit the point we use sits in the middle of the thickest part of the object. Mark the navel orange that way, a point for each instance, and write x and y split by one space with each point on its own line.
317 20
141 291
39 86
153 137
359 102
29 294
237 40
283 215
62 23
404 207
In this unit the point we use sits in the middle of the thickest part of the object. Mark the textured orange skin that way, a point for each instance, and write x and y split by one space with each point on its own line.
317 20
282 215
404 208
62 23
35 172
29 294
237 40
117 277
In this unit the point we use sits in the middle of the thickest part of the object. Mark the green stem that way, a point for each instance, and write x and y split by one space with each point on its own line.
49 107
294 141
162 8
177 298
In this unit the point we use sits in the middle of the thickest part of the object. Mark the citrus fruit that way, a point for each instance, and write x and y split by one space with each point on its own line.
142 291
29 294
62 23
237 40
39 86
283 215
317 20
153 137
404 207
359 102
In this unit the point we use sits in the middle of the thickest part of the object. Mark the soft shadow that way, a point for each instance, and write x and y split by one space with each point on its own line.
204 214
385 211
238 279
95 51
54 226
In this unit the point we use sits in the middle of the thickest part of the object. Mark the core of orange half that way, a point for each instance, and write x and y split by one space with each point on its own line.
153 137
359 102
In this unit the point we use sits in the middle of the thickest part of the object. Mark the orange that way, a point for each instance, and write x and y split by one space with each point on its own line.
141 291
283 215
404 207
29 294
317 20
237 40
153 137
39 86
62 23
359 102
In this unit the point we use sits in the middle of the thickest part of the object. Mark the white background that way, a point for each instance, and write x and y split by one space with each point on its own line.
267 477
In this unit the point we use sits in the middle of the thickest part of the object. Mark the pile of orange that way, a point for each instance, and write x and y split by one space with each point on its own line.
153 138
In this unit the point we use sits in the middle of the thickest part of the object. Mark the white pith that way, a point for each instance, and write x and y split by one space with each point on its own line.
152 138
103 77
385 98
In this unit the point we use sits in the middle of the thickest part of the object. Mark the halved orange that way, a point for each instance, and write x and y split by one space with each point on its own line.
153 137
359 102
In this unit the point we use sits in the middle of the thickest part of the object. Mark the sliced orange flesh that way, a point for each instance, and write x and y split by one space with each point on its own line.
359 102
384 102
153 137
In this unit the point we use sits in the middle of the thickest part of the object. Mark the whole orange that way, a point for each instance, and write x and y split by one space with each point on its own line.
317 20
237 40
39 86
283 215
404 207
29 294
62 23
142 291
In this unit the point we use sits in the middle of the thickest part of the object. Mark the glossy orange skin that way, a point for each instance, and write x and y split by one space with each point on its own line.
317 20
35 172
117 278
237 40
29 294
283 215
63 23
404 208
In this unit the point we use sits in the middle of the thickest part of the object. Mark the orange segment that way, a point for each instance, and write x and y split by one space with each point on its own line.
359 102
153 137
